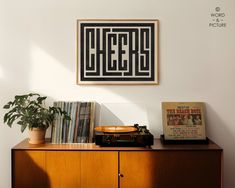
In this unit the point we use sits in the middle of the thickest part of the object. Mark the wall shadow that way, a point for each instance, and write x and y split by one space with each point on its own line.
107 117
28 170
218 131
167 169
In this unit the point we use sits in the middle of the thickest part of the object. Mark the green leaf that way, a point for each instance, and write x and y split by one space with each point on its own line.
40 99
33 94
23 127
7 106
67 117
20 122
5 117
12 119
9 122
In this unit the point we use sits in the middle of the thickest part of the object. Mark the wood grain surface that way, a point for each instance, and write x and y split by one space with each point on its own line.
29 169
64 169
99 169
168 169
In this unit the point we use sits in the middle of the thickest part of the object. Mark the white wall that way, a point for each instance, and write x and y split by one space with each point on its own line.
38 53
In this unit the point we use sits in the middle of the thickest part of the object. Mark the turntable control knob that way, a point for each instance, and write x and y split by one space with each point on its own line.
120 175
146 131
108 138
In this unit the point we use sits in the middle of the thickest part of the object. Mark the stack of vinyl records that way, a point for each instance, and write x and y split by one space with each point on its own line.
80 129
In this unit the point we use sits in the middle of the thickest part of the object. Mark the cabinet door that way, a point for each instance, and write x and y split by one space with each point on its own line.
28 169
99 169
63 169
170 169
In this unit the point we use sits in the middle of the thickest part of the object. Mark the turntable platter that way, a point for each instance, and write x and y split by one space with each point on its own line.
116 129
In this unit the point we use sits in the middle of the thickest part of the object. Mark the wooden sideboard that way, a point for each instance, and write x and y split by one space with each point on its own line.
91 166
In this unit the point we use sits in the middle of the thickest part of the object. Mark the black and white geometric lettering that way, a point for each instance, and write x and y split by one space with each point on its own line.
117 52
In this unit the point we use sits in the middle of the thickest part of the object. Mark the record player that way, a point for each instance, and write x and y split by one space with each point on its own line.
123 136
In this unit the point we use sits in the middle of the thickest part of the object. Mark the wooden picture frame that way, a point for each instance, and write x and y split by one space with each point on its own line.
117 52
183 120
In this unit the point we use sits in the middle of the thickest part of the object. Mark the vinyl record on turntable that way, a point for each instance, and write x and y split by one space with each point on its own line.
123 136
116 129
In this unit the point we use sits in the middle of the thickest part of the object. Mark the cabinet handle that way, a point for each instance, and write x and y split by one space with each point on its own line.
120 175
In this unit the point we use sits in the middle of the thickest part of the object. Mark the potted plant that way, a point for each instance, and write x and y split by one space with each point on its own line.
30 111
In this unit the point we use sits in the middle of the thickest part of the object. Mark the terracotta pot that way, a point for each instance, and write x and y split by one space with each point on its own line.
37 136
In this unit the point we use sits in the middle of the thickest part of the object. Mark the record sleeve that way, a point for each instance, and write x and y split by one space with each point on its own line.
183 120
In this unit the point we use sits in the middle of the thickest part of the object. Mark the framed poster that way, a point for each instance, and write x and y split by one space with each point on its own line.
117 51
183 120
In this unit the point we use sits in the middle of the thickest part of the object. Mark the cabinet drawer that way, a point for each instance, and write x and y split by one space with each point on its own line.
167 169
63 169
28 169
99 169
